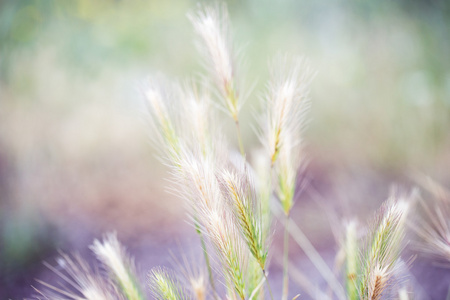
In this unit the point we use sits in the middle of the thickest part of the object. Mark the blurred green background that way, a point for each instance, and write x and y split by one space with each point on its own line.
75 159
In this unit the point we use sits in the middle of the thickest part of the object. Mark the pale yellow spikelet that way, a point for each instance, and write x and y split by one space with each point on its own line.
212 25
229 247
197 117
113 255
79 282
162 120
245 206
164 286
384 246
434 226
264 190
378 282
287 105
194 275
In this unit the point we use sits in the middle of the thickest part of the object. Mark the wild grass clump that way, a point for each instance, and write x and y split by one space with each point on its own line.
232 202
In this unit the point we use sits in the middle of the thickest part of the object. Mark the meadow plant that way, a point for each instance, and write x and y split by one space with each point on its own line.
232 201
433 226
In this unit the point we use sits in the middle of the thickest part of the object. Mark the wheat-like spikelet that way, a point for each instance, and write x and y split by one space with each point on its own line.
286 174
264 190
225 238
164 287
434 227
212 25
287 104
197 115
162 120
384 247
81 283
121 267
245 206
193 274
209 206
377 282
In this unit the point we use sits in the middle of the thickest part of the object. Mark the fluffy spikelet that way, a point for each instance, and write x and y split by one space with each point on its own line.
209 207
287 104
212 25
434 226
157 100
378 282
111 253
264 190
286 171
245 206
384 247
164 287
201 186
82 283
286 107
183 121
194 275
225 238
197 115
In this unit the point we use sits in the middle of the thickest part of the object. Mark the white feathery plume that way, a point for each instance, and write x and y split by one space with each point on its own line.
81 282
162 118
200 186
434 225
287 104
212 25
194 275
222 232
239 191
385 245
113 255
164 287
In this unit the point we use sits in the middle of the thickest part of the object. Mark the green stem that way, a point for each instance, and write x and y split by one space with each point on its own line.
268 284
286 261
208 264
301 240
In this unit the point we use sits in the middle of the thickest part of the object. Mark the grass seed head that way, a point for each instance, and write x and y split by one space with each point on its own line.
80 282
212 25
240 193
164 287
384 247
113 255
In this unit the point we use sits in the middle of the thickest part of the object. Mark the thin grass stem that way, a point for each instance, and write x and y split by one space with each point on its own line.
208 263
324 270
286 260
268 284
